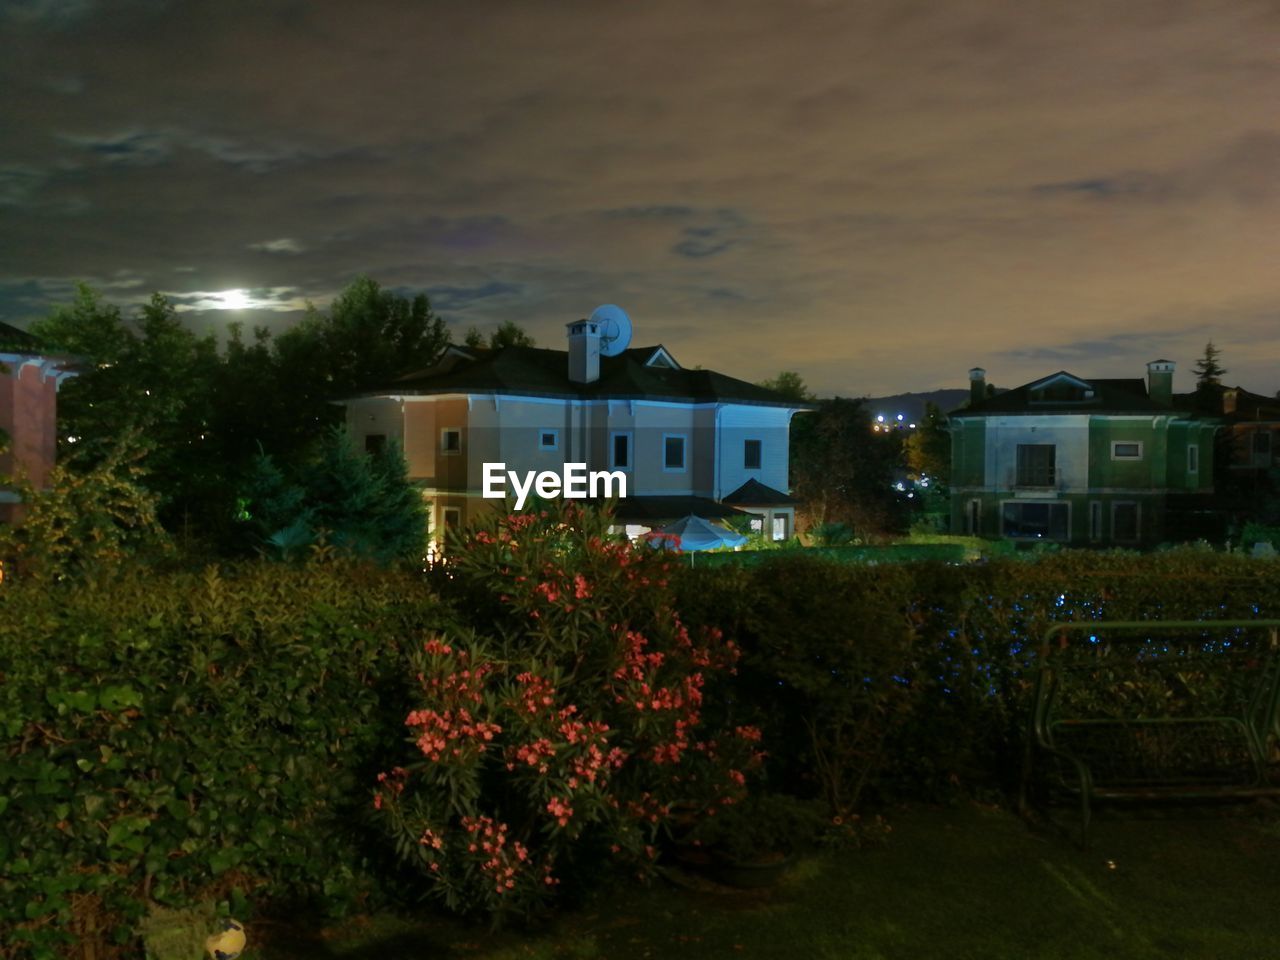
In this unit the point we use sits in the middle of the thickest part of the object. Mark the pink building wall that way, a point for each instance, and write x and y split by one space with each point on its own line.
28 413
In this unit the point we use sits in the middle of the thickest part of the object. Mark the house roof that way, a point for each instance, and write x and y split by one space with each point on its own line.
533 371
1235 404
753 493
13 340
1095 396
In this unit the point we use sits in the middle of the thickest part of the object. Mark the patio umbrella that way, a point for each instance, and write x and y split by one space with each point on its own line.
694 533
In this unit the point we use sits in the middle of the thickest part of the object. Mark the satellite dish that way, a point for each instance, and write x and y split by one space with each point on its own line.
615 329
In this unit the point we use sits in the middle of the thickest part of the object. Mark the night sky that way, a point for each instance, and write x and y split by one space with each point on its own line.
877 194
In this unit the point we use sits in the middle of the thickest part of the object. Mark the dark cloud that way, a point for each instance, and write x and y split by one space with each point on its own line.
879 194
450 299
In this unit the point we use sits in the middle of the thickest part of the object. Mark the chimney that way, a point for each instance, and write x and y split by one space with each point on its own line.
1160 382
584 351
977 385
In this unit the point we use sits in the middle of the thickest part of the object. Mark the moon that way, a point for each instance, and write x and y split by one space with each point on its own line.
234 299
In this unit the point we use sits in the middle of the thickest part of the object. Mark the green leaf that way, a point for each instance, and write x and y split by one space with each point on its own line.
117 697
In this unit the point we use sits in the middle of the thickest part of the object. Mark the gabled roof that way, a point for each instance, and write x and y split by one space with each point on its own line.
753 493
1064 392
533 371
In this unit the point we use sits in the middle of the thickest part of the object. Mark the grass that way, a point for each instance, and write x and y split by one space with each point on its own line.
956 883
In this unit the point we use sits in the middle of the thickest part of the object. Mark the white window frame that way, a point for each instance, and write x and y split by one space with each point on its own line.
773 526
555 438
1126 443
631 450
444 447
745 441
684 452
1193 458
1137 526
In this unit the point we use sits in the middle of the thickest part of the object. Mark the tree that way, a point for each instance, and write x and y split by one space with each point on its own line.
151 376
928 450
88 521
791 385
510 334
1209 371
844 471
363 505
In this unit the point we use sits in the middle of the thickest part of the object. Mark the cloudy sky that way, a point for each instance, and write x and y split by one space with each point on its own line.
879 194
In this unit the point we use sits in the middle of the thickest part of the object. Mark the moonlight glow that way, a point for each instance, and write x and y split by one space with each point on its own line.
234 299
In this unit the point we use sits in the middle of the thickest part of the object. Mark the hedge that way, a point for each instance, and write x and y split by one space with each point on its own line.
183 738
918 675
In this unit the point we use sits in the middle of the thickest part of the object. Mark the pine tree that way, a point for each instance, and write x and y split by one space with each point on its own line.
1209 371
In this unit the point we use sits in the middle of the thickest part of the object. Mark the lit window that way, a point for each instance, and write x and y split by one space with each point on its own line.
751 454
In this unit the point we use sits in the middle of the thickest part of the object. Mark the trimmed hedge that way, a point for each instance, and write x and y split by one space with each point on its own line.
187 737
929 663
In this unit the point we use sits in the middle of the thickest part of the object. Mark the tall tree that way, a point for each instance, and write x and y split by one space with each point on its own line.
362 504
150 375
844 471
1209 371
928 449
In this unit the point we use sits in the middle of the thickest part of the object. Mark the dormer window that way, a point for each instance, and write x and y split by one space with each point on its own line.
1062 388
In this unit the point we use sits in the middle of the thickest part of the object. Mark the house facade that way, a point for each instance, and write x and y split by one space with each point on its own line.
1085 462
687 441
29 381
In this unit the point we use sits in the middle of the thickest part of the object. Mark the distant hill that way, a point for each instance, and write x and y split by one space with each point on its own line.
911 405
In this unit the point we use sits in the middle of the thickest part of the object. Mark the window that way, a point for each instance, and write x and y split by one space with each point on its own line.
751 454
1193 459
451 517
780 527
1029 520
1036 464
973 518
1095 520
451 441
757 525
672 452
375 443
621 453
1126 450
548 439
1124 522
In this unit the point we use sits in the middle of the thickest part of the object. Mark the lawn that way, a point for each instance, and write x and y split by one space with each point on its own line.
953 883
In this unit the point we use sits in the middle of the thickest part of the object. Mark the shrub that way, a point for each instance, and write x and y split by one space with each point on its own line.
178 738
565 729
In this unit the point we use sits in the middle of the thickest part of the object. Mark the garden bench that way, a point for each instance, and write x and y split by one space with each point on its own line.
1155 710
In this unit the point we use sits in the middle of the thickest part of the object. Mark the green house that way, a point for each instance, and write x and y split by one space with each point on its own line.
1102 462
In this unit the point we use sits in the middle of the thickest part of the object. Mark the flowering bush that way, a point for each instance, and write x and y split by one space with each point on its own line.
566 726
